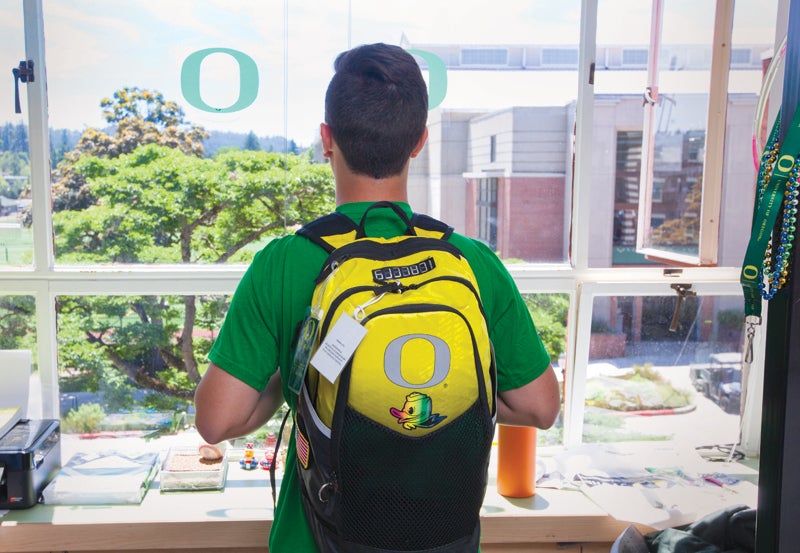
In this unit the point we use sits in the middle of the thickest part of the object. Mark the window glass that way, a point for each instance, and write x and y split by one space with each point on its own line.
655 374
489 77
677 126
16 238
678 131
128 365
21 386
207 147
173 121
549 313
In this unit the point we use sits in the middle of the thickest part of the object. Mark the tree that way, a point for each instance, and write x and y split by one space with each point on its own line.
549 313
17 322
14 164
58 151
139 116
251 142
159 202
14 138
684 230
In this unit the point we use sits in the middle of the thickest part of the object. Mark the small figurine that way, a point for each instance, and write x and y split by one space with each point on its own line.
266 462
249 462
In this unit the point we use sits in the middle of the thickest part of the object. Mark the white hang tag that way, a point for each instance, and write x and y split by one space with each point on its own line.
338 347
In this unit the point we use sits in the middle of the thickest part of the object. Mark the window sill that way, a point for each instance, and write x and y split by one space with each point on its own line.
238 519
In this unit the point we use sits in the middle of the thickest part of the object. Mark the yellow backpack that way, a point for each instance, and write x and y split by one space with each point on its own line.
396 382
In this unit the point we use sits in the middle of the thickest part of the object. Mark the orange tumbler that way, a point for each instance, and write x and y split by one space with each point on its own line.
516 461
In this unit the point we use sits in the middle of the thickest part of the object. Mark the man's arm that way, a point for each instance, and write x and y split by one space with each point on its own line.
534 404
228 408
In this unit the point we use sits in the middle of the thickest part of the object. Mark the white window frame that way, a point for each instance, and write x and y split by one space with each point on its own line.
711 195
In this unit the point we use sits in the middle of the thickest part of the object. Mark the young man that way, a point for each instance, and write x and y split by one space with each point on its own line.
375 122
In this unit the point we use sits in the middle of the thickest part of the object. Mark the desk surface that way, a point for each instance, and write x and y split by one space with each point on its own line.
240 515
238 518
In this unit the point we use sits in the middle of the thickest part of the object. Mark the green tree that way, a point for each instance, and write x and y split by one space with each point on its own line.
161 202
58 148
17 322
14 138
251 142
13 164
549 313
139 116
684 230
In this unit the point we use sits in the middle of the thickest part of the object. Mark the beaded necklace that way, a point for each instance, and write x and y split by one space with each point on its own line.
776 271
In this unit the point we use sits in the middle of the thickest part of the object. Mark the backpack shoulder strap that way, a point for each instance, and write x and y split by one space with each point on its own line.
425 225
330 231
335 229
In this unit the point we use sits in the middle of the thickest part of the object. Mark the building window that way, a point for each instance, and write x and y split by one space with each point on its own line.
484 56
626 195
741 56
493 148
634 56
566 57
487 212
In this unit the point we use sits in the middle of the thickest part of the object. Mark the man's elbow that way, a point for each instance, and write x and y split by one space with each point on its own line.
548 418
209 422
208 427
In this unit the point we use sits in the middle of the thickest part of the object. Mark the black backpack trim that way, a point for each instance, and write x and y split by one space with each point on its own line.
337 224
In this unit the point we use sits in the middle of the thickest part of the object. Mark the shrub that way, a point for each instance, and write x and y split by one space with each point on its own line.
84 419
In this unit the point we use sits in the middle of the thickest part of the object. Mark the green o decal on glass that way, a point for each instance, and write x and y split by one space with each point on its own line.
248 80
437 76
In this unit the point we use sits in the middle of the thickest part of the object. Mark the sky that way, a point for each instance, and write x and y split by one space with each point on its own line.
95 47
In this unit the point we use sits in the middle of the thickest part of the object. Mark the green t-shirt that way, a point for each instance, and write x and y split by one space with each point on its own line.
271 300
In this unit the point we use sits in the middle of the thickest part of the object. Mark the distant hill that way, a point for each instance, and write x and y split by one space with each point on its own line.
220 139
15 138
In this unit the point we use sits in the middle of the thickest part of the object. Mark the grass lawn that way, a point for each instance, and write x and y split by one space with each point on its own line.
16 243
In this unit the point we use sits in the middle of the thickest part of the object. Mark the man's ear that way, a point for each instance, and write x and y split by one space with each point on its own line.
418 148
327 139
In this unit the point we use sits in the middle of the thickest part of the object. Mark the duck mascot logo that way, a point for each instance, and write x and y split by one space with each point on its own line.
416 412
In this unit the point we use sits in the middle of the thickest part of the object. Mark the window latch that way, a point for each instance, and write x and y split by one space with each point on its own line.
650 96
683 290
23 73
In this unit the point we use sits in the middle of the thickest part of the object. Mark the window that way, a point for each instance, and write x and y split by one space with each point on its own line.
685 126
132 273
484 56
560 56
16 240
668 348
634 57
487 212
740 56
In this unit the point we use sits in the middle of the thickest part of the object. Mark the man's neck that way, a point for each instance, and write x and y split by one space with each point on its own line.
361 188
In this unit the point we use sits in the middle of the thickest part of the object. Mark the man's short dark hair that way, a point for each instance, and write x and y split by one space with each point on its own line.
376 107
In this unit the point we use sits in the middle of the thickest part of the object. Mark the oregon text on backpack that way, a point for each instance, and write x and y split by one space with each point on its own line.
393 442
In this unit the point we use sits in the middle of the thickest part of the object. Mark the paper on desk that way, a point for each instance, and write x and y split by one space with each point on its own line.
659 485
575 466
662 508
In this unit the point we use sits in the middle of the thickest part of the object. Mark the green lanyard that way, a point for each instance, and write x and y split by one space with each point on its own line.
766 210
770 196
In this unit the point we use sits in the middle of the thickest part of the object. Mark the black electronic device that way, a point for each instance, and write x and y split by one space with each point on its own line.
30 456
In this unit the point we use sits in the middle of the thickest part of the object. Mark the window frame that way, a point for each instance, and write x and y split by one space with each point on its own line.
46 281
713 162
